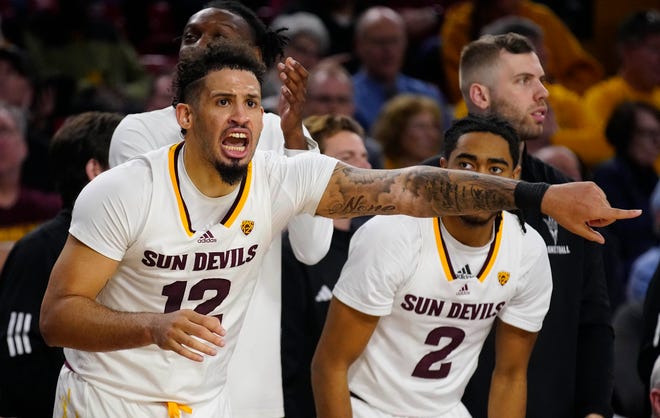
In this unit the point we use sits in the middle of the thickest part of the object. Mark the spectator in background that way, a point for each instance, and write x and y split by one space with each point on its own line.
569 64
18 87
638 78
307 289
330 91
339 17
21 208
16 77
563 159
644 266
650 340
160 94
628 397
629 178
30 368
308 38
308 43
77 41
380 46
409 130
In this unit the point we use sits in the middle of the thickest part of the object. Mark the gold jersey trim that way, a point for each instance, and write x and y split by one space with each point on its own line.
184 215
490 258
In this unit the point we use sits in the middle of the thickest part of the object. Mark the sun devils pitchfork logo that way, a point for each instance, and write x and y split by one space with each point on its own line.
247 227
553 228
503 277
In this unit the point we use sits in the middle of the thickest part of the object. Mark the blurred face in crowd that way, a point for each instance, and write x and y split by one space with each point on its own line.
348 147
209 24
642 62
13 149
381 44
329 94
644 146
421 137
161 96
305 49
517 93
15 88
507 7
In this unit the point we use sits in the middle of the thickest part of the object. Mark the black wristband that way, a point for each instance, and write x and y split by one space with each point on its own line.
529 195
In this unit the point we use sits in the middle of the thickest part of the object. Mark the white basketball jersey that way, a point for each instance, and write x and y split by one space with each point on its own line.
437 300
169 265
255 378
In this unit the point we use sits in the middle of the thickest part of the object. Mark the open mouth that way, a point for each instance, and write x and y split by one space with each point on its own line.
539 115
235 141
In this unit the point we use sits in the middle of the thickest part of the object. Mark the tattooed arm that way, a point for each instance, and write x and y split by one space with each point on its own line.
424 191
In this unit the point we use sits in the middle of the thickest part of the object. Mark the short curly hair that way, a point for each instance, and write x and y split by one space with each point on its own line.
219 55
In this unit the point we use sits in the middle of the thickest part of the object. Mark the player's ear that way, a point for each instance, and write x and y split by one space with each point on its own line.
93 168
480 96
184 115
443 162
516 172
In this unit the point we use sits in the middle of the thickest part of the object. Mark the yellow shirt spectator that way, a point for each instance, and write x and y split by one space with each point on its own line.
600 100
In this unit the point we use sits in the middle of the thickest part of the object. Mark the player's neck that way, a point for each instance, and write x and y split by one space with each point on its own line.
205 177
469 234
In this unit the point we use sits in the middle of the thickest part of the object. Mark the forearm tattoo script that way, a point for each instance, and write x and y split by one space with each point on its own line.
417 191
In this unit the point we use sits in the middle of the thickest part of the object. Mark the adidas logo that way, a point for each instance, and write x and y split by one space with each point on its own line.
18 338
464 273
324 295
207 238
463 290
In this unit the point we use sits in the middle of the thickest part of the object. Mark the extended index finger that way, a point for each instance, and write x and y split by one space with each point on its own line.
610 215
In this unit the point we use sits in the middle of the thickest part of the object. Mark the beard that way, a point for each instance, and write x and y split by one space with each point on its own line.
526 128
476 220
231 173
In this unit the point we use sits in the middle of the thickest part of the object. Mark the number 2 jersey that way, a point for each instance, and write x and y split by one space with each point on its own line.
437 300
179 249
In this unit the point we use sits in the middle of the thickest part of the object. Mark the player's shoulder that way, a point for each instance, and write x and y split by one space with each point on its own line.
153 118
122 177
165 114
390 228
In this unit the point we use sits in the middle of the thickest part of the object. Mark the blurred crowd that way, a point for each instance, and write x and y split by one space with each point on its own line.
393 67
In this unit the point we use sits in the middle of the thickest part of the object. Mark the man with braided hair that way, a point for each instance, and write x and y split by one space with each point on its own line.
418 296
